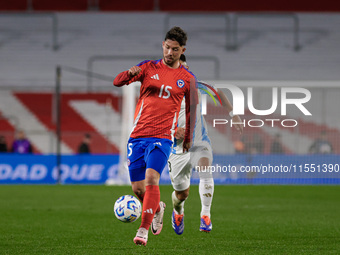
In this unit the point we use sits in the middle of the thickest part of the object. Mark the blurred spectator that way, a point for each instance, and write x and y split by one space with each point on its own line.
321 145
276 146
248 146
239 147
257 144
3 144
21 144
84 147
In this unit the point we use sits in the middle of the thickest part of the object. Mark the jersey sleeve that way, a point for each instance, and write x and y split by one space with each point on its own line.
124 78
121 79
143 65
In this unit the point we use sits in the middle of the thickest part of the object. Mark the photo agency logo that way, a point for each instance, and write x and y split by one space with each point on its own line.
281 97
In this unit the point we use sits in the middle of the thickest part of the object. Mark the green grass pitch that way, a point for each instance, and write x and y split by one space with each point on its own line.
246 220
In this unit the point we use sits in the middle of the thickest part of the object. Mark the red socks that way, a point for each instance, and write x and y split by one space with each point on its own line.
150 205
141 198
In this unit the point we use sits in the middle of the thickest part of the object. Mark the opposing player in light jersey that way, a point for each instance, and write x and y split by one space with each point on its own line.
165 82
181 163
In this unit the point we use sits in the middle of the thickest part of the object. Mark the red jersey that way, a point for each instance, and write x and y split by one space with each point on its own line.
159 103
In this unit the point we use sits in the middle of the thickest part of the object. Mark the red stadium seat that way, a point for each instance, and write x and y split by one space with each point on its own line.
61 5
13 5
132 5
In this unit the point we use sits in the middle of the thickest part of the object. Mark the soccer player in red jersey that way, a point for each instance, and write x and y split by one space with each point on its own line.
164 84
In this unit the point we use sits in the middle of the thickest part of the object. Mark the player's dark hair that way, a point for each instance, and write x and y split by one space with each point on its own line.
183 58
177 34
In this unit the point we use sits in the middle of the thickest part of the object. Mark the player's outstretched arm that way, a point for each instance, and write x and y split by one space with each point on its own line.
236 119
125 77
226 103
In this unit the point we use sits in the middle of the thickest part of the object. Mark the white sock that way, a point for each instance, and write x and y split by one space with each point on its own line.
177 204
206 190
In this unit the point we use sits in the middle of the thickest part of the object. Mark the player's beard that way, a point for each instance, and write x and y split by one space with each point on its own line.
170 61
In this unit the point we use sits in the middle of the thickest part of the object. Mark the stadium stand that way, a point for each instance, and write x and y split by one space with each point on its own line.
265 49
74 123
186 5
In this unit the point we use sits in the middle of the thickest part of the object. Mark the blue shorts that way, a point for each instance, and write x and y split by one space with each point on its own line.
146 153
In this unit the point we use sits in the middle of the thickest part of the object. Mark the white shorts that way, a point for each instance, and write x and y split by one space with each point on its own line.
180 166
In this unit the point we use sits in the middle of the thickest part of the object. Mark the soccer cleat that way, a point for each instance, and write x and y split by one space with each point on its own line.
157 222
141 237
177 222
206 224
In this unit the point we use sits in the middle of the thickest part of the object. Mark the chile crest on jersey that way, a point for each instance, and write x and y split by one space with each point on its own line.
180 83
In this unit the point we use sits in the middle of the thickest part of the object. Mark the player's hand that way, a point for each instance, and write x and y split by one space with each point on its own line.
186 146
135 70
239 127
180 133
